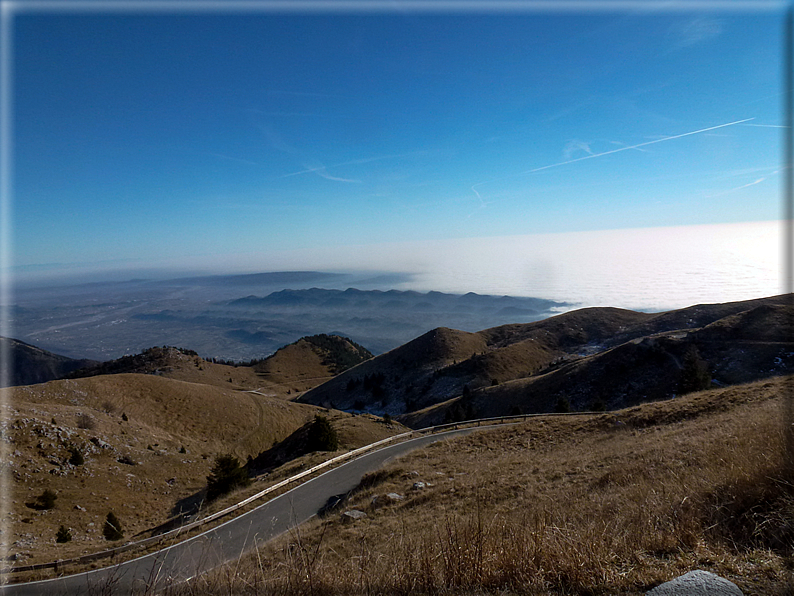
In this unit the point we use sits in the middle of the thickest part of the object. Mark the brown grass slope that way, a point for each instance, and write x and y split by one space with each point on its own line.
738 348
178 364
365 386
570 330
607 504
608 356
145 467
309 362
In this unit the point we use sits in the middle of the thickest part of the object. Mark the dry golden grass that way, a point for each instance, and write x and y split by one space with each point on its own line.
559 505
294 368
163 417
197 370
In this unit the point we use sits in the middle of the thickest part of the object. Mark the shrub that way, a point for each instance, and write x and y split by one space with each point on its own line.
112 529
563 405
44 501
322 436
63 535
75 457
227 473
695 375
598 406
85 421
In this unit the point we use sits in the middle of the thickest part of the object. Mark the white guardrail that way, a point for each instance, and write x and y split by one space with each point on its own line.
111 553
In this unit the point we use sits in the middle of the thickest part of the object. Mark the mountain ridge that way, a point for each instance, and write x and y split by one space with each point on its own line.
579 356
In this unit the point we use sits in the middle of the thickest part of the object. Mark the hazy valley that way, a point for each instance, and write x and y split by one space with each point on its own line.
241 317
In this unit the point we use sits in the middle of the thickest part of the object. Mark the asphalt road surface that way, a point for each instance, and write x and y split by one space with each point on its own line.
228 541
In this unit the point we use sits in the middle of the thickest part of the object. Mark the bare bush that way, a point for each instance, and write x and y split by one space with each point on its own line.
85 421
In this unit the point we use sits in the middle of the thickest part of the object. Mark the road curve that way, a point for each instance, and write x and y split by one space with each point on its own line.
228 541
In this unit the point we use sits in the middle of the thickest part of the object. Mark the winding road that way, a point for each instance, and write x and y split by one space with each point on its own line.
228 541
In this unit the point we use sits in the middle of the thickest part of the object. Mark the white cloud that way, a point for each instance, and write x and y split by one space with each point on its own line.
694 31
574 146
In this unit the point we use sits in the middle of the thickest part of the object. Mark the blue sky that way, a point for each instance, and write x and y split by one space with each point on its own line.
141 138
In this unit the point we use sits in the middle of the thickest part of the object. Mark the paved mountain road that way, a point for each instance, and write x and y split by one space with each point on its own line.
227 541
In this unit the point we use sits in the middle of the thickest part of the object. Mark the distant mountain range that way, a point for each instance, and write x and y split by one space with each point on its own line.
396 300
211 316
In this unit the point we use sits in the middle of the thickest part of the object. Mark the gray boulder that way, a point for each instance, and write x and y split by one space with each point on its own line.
697 583
353 515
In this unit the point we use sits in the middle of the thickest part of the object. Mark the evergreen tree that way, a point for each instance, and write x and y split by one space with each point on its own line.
322 436
112 529
63 535
226 474
695 375
563 405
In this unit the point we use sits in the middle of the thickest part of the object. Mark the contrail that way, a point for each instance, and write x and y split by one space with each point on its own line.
349 163
725 192
767 125
686 134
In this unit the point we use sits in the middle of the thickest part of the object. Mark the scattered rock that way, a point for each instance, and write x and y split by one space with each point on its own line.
79 508
395 497
100 443
697 583
418 485
353 515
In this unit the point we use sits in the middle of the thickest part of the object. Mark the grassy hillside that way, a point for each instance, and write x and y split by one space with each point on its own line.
290 370
179 364
591 358
310 361
394 381
604 504
148 444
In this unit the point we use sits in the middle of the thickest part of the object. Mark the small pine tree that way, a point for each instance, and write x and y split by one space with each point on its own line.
386 419
322 436
563 405
695 375
227 473
598 406
112 529
63 535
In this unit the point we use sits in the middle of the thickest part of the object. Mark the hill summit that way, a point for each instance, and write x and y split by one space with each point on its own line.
310 360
